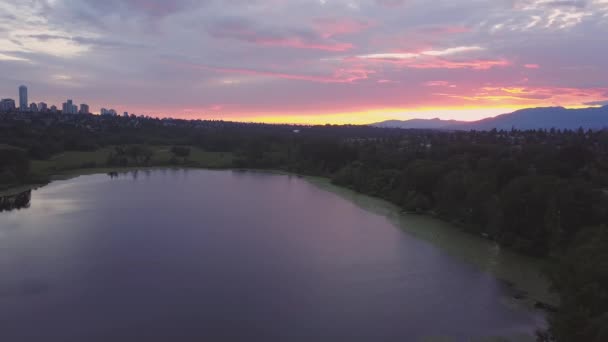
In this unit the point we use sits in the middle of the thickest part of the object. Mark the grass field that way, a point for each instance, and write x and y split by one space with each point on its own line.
70 161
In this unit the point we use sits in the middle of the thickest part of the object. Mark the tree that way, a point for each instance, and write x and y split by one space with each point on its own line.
581 280
14 166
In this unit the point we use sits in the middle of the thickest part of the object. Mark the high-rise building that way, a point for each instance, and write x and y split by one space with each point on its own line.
84 108
125 115
23 98
42 107
33 107
53 109
7 105
69 108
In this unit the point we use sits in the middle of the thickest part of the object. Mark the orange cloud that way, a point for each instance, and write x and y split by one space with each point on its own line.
533 96
438 63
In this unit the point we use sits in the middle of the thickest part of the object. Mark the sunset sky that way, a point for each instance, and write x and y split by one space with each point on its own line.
307 61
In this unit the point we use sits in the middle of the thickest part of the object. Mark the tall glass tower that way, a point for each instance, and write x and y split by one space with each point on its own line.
23 98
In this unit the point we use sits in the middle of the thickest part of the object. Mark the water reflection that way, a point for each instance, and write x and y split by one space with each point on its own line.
15 201
135 174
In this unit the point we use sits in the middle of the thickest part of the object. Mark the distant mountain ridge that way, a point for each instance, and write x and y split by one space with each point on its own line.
419 123
532 118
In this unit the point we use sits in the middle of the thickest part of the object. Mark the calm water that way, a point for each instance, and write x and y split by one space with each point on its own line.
176 255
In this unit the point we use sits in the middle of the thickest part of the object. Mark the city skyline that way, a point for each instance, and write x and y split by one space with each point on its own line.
305 61
69 107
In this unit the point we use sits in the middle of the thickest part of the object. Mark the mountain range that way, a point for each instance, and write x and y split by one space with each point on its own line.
532 118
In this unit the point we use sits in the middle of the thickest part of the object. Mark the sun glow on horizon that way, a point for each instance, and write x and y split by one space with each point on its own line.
377 115
360 117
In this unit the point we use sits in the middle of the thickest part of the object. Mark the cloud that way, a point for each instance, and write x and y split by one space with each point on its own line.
597 103
330 27
544 4
91 41
476 64
412 55
436 59
390 3
341 75
150 8
248 31
557 96
439 84
9 58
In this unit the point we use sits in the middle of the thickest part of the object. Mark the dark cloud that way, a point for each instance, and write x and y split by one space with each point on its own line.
104 14
45 37
153 8
390 3
99 42
567 3
251 32
597 103
5 16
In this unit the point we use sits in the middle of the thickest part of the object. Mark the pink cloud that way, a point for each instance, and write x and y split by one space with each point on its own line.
444 30
384 81
439 63
531 95
478 64
531 66
341 75
437 84
299 43
329 27
250 32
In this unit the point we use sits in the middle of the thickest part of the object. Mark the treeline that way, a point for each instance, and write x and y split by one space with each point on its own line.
544 193
14 166
532 198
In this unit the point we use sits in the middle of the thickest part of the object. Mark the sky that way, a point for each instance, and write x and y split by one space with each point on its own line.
307 61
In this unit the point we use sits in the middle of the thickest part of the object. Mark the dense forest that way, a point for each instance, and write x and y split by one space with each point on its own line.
543 193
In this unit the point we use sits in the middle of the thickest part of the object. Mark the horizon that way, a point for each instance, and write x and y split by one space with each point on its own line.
286 119
316 62
294 120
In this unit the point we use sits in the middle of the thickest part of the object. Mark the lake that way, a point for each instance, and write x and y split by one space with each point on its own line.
197 255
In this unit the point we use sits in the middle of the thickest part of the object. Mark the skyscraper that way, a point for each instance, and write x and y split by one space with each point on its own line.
84 108
69 108
23 105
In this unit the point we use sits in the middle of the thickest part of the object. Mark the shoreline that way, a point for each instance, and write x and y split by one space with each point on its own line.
15 190
526 289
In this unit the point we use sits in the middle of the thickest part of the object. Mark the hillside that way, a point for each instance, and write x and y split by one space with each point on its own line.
532 118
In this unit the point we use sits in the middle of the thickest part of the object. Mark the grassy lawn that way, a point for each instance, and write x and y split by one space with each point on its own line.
70 161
